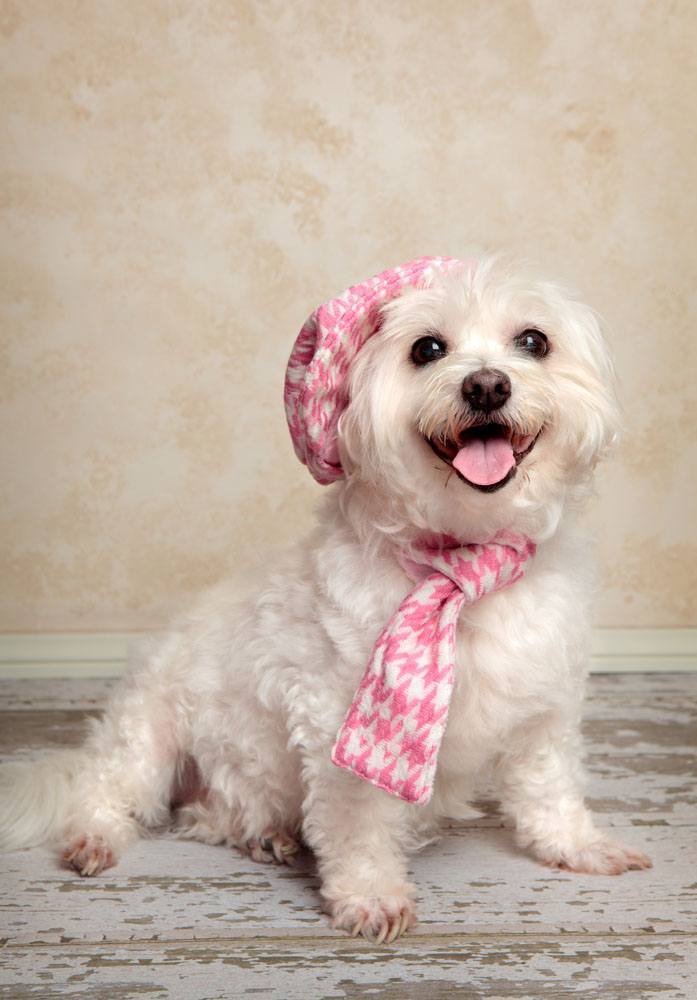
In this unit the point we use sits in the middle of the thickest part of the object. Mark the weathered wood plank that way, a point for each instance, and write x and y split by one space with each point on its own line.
177 919
54 693
641 762
640 966
473 880
30 733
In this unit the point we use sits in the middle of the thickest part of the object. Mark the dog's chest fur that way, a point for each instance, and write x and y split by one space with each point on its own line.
520 650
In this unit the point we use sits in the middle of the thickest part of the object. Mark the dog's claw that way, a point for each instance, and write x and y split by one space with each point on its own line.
379 919
285 851
394 932
88 855
273 847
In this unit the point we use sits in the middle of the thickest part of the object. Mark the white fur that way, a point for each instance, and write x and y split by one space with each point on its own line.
254 694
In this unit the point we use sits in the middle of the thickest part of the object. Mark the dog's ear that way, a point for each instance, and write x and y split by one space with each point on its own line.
591 407
316 392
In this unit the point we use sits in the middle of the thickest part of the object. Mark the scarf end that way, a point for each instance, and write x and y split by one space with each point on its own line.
408 790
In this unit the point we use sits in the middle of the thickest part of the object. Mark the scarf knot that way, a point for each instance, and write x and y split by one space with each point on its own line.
394 727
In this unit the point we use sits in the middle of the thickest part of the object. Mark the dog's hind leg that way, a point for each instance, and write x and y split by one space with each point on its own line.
210 820
245 790
124 783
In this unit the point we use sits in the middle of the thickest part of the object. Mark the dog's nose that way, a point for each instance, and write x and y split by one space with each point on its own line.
486 389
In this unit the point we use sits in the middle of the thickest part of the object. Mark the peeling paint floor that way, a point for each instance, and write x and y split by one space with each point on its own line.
180 920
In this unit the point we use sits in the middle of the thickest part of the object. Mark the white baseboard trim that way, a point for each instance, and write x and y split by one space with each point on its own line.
105 654
65 654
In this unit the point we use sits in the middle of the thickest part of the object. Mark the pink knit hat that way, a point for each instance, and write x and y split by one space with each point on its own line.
315 389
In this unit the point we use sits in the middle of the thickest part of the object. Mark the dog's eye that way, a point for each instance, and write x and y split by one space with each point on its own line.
427 349
532 342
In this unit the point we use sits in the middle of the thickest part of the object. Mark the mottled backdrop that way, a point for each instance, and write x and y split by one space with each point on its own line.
181 182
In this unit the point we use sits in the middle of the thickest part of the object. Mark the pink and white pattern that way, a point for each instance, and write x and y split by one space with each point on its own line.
393 730
315 388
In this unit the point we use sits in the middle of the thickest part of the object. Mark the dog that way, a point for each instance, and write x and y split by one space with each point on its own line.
456 408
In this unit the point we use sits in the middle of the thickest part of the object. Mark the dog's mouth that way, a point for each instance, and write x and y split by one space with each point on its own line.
487 456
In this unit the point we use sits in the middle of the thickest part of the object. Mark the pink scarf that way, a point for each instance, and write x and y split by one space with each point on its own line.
393 730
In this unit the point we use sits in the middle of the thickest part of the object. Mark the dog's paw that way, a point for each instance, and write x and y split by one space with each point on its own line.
88 855
273 847
603 857
381 919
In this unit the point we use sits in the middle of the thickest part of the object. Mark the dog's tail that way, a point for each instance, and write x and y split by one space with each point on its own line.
36 798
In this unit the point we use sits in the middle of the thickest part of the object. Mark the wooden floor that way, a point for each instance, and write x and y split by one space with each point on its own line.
191 921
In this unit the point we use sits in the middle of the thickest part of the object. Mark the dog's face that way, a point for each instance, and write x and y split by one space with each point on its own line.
480 402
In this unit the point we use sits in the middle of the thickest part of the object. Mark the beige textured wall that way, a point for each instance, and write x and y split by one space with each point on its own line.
181 182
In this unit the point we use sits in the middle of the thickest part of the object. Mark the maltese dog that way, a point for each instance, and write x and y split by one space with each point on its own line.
429 634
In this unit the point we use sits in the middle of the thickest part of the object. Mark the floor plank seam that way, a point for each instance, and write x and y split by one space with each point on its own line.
342 943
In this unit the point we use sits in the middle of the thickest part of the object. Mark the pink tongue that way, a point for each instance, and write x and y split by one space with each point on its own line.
485 462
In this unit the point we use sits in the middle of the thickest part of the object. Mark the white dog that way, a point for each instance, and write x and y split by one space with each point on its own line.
447 400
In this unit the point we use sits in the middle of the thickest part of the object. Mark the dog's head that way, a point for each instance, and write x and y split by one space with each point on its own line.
480 402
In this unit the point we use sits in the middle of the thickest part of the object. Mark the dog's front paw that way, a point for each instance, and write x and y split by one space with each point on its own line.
381 919
88 855
603 857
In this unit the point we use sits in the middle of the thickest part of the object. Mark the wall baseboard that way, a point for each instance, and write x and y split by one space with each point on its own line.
105 654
